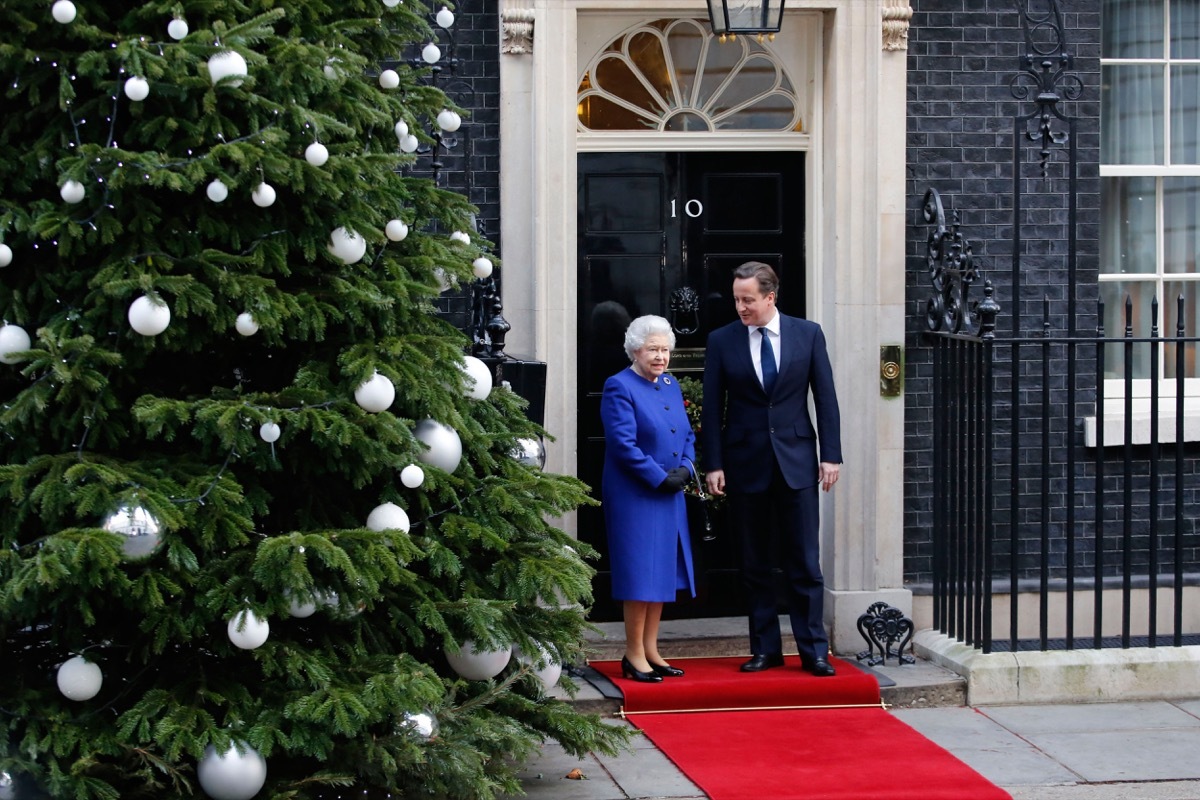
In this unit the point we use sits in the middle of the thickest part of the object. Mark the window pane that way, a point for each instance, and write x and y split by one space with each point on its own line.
1185 114
1127 226
1185 28
1181 224
1114 295
1132 29
1131 115
1191 323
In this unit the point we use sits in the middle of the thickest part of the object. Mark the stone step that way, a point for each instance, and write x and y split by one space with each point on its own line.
919 685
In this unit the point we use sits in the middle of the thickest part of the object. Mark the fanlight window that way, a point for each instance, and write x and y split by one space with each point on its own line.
673 75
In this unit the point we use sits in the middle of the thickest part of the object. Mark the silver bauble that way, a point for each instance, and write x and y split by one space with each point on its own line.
233 775
445 447
530 452
141 532
423 724
8 787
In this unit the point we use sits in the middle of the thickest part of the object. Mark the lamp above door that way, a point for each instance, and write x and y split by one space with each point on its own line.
731 17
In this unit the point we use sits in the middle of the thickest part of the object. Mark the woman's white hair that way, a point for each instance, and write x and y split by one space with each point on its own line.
642 329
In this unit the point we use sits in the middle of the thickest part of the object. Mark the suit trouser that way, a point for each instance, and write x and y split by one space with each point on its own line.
797 514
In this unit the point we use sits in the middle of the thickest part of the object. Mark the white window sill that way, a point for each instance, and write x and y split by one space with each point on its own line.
1114 427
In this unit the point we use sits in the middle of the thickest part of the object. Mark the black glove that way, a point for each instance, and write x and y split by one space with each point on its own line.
676 479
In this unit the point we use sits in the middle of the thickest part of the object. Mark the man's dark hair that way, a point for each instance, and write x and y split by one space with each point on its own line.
768 281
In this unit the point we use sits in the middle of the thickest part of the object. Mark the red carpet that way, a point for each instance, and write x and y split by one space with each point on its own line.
839 745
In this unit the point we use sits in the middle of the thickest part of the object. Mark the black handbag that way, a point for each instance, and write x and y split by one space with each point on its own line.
699 522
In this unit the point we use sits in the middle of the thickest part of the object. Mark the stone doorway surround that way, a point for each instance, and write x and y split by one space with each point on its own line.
856 234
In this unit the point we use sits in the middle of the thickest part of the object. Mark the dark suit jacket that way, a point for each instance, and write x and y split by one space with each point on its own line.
740 426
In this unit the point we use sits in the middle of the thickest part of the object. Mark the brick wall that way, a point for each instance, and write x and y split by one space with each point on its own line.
472 166
963 56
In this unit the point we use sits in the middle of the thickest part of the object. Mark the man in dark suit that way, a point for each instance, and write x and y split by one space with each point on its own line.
760 446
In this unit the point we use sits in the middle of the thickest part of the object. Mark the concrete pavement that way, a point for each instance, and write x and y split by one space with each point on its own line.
1148 750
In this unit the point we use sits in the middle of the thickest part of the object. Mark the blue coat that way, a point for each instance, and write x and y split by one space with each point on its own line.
646 432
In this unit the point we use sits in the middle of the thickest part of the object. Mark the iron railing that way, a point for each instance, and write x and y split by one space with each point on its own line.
1031 500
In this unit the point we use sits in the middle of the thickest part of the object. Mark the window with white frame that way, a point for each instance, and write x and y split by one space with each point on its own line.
1150 184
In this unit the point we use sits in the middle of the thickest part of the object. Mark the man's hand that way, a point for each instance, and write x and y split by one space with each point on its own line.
715 480
829 474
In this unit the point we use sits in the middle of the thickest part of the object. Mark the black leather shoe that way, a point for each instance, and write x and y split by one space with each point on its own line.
665 670
628 671
760 662
820 667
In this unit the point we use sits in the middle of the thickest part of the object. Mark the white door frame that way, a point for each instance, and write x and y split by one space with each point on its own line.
856 218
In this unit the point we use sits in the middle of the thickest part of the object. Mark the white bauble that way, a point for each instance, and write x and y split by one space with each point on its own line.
301 608
445 446
448 120
445 17
410 143
254 630
347 246
8 788
330 71
79 679
478 665
177 28
431 53
423 723
389 79
246 324
316 154
549 674
234 775
412 476
392 3
13 339
396 230
227 64
217 191
478 378
140 531
63 11
5 255
401 130
482 267
263 195
459 236
269 432
147 317
388 517
376 394
137 89
72 192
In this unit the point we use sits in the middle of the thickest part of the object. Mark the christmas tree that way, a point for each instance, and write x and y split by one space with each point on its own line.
263 531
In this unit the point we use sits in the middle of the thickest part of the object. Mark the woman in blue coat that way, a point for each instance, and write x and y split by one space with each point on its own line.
649 452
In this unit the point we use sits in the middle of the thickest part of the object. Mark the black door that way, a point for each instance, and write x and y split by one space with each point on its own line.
661 233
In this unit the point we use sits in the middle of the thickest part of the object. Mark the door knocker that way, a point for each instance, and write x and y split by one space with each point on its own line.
685 310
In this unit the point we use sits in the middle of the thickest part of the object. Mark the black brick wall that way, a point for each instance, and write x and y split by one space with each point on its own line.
963 56
472 166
